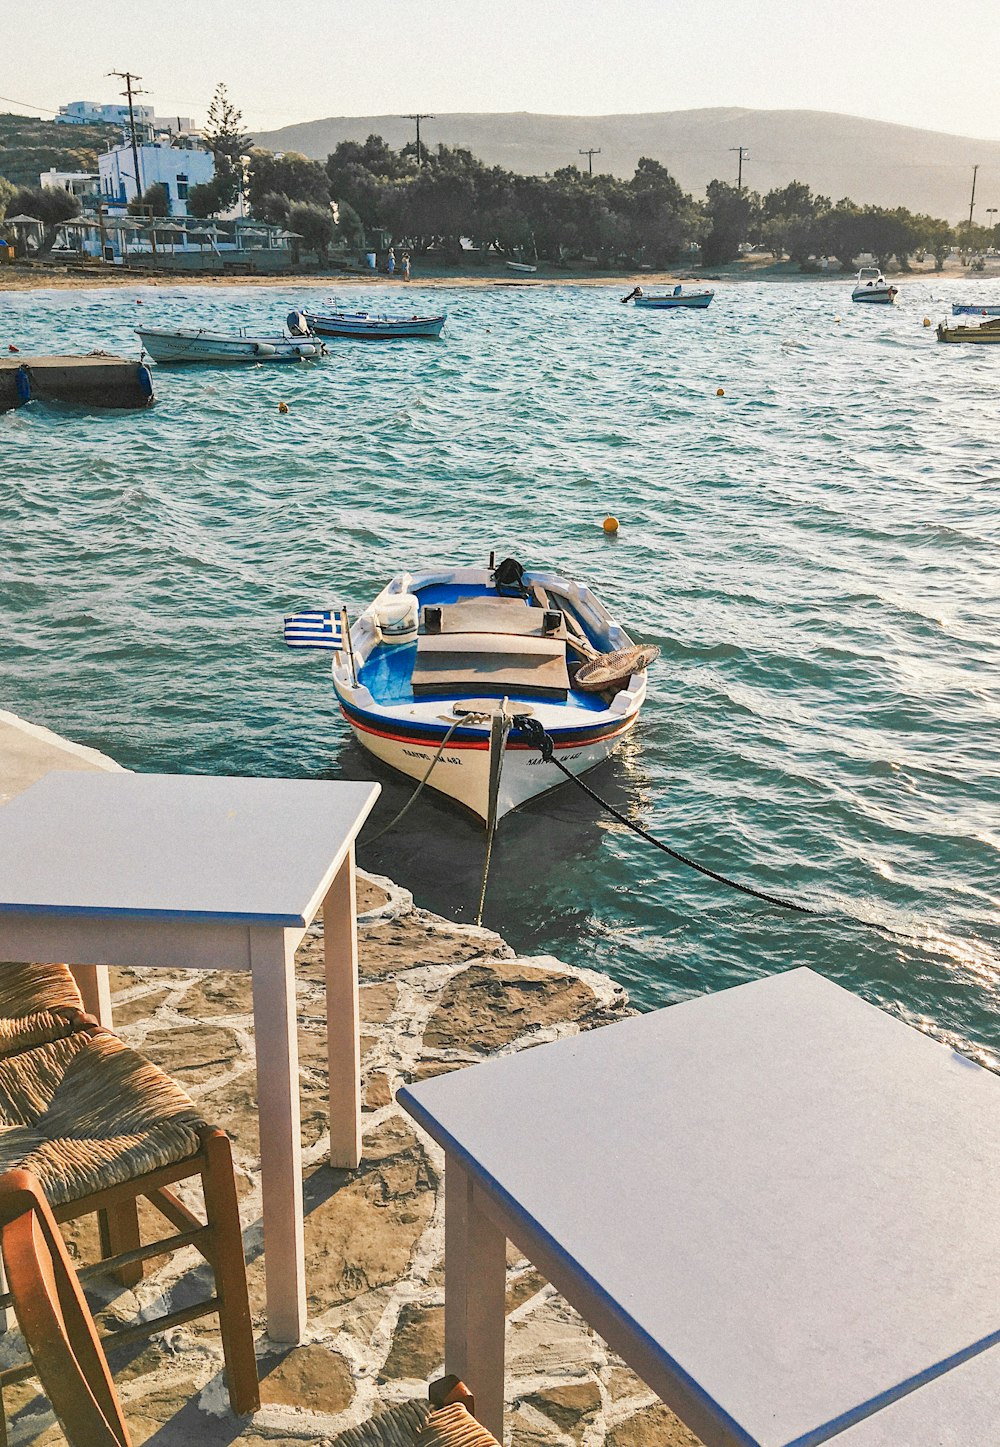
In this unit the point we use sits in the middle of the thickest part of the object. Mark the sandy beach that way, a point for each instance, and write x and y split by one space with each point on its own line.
36 276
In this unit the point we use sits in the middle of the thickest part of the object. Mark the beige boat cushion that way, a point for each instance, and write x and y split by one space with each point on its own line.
483 665
494 615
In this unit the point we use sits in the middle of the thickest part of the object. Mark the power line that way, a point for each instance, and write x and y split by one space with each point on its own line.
590 154
418 117
743 151
972 198
129 91
28 105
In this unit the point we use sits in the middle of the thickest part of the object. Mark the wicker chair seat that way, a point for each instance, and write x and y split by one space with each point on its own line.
85 1113
37 1004
414 1424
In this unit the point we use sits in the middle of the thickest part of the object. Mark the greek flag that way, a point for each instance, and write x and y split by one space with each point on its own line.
314 630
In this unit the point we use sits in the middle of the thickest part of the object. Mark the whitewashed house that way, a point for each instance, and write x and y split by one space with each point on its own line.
176 168
84 184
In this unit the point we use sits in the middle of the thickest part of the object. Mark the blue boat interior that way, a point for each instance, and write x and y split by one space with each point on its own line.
388 670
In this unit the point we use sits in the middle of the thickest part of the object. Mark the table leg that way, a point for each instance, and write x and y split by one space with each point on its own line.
94 985
340 956
274 1016
475 1266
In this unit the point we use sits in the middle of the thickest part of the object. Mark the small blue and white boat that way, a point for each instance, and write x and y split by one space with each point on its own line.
958 310
440 667
669 300
374 326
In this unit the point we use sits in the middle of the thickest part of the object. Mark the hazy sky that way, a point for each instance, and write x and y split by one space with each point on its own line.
918 62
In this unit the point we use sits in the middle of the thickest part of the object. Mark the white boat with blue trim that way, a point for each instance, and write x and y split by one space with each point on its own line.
442 666
871 286
374 326
960 309
197 344
670 300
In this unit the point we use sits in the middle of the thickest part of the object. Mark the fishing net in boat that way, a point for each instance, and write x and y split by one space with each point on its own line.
613 670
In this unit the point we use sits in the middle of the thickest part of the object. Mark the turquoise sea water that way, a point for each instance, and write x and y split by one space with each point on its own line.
816 554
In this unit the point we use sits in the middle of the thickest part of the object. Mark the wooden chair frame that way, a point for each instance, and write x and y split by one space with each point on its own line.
218 1239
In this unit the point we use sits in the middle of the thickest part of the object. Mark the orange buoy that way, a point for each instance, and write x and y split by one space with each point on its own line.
720 391
282 408
610 525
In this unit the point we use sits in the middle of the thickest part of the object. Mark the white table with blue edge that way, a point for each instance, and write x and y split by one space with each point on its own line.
189 872
779 1204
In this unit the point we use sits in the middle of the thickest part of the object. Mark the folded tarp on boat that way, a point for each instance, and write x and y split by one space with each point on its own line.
467 665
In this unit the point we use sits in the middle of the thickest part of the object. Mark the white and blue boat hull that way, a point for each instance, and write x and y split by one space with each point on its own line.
366 327
406 732
694 300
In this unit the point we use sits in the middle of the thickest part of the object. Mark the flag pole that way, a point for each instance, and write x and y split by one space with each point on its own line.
345 628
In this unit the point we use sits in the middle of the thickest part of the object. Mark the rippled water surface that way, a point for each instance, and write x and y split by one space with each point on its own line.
816 553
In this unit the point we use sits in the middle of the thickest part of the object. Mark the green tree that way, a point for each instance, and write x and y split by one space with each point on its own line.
7 190
314 224
272 207
840 232
731 215
155 201
291 175
204 200
229 143
49 205
938 237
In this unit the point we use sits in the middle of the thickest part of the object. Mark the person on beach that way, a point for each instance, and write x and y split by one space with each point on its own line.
406 266
390 262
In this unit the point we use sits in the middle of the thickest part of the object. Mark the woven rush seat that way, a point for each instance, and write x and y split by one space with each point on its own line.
38 1003
85 1113
415 1424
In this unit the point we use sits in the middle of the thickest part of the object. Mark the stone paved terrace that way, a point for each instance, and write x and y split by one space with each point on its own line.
434 996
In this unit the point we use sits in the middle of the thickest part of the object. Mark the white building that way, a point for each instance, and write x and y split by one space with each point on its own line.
170 166
85 184
89 113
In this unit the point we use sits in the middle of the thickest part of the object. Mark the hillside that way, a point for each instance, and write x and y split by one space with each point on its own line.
29 146
871 161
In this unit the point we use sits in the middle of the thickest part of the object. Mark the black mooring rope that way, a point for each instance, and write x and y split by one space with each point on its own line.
532 730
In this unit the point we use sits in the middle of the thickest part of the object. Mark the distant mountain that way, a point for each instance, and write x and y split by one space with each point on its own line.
871 161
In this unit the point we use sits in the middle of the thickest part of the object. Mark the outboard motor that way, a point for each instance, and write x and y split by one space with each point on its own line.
297 324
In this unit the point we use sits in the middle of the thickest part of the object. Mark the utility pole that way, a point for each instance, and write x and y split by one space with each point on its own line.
420 116
131 89
972 198
593 151
744 154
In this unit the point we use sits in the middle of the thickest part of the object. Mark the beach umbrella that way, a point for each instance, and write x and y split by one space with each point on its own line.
22 221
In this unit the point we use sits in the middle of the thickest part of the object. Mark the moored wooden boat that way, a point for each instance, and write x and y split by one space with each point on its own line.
871 286
439 657
670 300
374 326
986 333
197 344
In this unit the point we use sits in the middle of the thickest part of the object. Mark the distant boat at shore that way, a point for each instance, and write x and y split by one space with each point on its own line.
669 300
374 326
871 286
195 344
441 665
520 266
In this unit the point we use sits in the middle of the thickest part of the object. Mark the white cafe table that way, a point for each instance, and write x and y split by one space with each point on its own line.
188 872
778 1203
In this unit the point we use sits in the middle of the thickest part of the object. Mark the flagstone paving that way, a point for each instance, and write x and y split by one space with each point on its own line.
434 996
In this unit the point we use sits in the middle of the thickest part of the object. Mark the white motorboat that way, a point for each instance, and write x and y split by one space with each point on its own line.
871 286
445 668
197 344
670 300
524 266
